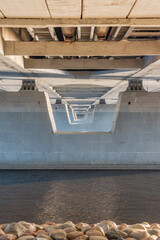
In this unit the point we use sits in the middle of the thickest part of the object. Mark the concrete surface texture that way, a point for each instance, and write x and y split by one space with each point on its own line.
98 119
27 138
73 9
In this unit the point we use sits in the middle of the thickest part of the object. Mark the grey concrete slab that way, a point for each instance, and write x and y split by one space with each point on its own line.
27 140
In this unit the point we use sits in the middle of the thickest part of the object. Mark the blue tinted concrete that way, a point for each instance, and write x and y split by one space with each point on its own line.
27 139
99 119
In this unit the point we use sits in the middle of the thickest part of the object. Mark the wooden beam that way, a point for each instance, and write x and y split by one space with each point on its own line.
83 63
106 48
74 22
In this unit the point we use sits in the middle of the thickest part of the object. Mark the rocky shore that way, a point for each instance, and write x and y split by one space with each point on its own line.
81 231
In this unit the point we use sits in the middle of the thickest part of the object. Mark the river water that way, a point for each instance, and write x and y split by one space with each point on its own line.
88 196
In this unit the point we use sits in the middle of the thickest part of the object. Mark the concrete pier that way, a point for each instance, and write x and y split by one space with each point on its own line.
29 137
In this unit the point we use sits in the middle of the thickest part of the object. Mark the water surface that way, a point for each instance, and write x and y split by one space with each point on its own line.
89 196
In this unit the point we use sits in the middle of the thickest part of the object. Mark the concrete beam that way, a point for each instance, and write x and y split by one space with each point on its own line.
15 62
68 22
150 63
83 63
1 43
107 48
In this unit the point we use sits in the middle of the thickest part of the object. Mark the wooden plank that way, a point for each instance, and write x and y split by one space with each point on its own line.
108 9
75 22
146 9
65 8
106 48
24 8
82 63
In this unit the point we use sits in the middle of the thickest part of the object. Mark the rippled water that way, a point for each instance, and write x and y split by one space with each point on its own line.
90 196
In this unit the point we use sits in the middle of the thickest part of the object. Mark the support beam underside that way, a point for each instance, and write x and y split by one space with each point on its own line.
83 63
73 22
110 48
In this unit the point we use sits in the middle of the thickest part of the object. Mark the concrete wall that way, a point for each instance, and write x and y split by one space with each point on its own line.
27 139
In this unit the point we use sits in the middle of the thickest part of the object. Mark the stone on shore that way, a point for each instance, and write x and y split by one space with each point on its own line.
122 226
41 232
155 226
16 228
154 232
93 232
139 234
83 227
83 237
104 230
27 237
146 224
58 234
152 237
68 224
73 235
107 225
97 238
1 232
138 226
43 236
68 230
29 226
115 234
3 226
8 237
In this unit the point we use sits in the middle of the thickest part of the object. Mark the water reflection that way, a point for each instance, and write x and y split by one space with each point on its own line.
90 196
